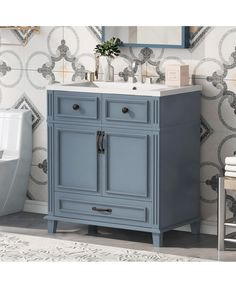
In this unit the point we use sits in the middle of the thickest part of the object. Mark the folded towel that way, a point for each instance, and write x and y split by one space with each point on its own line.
231 168
230 174
230 160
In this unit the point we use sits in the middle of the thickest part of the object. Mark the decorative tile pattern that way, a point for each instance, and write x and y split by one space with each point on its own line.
25 103
205 130
39 166
227 147
197 35
4 68
63 52
96 31
209 181
145 56
24 35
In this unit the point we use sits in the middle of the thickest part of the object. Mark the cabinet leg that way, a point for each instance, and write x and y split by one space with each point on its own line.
195 227
52 226
92 229
157 239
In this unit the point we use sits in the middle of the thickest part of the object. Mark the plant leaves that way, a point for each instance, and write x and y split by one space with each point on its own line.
109 48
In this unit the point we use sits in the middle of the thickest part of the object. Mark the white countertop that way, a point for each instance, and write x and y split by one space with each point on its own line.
123 88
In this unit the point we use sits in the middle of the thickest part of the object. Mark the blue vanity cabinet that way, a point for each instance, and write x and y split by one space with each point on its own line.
124 161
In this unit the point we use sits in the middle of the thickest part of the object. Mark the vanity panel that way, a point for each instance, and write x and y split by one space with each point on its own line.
181 109
103 209
126 110
77 106
76 158
127 163
179 198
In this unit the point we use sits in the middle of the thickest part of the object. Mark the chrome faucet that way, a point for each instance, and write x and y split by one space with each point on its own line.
130 72
134 68
152 79
90 76
96 66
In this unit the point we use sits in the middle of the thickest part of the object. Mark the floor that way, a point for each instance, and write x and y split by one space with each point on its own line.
175 242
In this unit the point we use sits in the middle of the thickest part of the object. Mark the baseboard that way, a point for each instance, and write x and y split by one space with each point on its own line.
33 206
207 227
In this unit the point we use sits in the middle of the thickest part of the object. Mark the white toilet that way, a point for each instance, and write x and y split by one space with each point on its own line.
15 163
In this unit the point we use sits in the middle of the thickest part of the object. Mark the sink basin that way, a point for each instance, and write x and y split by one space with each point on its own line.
125 88
119 85
82 84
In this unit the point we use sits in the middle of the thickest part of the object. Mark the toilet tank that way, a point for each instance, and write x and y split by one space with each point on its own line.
15 131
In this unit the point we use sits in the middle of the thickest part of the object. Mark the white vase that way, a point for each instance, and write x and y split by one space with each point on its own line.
109 71
106 70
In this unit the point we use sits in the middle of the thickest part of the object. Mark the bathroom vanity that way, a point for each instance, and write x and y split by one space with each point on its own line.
124 155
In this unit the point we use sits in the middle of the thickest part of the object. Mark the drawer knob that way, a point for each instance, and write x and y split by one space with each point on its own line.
76 107
102 209
125 110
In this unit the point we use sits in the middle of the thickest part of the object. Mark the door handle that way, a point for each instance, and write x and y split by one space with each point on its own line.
98 142
102 209
102 142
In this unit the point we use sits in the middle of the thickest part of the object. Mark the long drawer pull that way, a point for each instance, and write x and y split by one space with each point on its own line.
102 209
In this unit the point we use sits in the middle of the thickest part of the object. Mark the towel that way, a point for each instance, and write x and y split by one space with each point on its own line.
230 160
231 168
230 174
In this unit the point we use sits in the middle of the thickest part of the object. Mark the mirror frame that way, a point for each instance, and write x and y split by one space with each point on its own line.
185 41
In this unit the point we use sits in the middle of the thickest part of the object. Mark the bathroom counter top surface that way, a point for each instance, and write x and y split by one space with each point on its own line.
136 89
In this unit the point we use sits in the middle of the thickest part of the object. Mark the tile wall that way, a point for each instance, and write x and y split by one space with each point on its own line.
63 54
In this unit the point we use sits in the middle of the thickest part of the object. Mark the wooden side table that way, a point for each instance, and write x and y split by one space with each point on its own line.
225 183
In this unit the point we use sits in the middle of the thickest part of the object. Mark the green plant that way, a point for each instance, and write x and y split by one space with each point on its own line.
109 48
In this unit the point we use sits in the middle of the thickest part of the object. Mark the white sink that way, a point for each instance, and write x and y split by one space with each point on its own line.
125 88
119 85
130 86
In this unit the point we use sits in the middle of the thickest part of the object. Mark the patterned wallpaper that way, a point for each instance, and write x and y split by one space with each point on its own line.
63 54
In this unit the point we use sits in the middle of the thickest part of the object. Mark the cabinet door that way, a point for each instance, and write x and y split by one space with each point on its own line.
76 159
127 163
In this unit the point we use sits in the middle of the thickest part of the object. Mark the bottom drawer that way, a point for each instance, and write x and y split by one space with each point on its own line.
103 209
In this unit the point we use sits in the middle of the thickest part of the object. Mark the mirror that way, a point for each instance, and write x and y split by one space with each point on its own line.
151 36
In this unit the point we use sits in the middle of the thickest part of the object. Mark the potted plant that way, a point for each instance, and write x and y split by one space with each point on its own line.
108 49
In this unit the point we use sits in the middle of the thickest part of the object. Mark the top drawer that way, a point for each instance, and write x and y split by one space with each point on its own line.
76 105
126 110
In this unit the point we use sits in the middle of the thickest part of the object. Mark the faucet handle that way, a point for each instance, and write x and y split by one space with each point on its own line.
153 80
90 76
134 66
130 79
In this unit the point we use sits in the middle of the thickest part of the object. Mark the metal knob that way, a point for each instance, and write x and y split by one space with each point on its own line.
125 110
76 107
